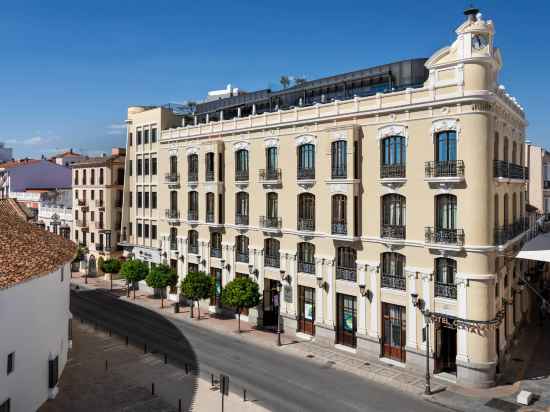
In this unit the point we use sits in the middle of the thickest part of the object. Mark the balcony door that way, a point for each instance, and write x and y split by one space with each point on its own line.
393 332
393 157
216 297
445 348
445 149
446 212
339 214
346 322
173 200
306 211
270 303
272 205
271 160
173 165
306 307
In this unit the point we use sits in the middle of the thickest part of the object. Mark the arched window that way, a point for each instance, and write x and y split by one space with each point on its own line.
306 211
514 207
209 166
306 257
339 159
339 213
346 266
241 208
241 249
271 253
193 241
445 146
393 216
193 208
445 275
216 244
393 270
392 157
193 167
173 238
241 165
210 207
306 161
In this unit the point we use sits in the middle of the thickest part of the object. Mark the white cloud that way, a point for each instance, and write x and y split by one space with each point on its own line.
31 141
116 129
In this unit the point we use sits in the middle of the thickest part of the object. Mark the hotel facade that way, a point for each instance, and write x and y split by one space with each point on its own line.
356 192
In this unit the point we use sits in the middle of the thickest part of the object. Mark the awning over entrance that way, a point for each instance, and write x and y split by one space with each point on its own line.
537 248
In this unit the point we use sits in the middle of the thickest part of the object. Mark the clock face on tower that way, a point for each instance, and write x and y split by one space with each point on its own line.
479 41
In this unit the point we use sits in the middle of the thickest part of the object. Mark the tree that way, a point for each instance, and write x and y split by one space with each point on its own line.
197 286
133 271
111 266
80 253
241 293
160 277
284 81
298 81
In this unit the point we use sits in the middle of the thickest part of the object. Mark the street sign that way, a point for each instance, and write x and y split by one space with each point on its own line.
224 384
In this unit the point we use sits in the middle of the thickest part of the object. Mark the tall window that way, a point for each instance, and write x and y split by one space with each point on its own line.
393 216
173 238
193 241
306 211
445 274
84 176
272 205
446 212
138 137
92 177
393 275
173 212
210 207
139 170
339 213
210 166
173 165
306 161
346 267
146 167
306 257
216 244
271 160
339 159
102 176
497 212
505 205
193 167
241 208
505 148
514 153
193 210
496 146
241 165
153 166
393 156
241 244
76 177
514 207
446 146
271 255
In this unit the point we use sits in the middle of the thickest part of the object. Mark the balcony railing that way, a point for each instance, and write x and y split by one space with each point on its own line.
99 225
445 290
444 168
393 231
215 252
272 261
82 223
173 244
268 222
209 176
446 236
339 172
193 248
193 215
306 174
507 232
241 220
172 178
509 170
306 267
393 282
343 273
241 175
193 176
81 202
270 175
210 217
172 214
241 257
306 224
99 203
339 227
392 171
99 247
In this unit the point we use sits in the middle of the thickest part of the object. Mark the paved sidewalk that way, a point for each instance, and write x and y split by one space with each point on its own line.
500 398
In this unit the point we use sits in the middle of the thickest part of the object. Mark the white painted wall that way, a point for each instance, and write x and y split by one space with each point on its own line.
34 318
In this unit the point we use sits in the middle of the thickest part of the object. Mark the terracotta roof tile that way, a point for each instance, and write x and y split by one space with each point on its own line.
16 163
26 251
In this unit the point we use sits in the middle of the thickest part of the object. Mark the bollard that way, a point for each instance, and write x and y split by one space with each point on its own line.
179 405
153 388
165 358
244 395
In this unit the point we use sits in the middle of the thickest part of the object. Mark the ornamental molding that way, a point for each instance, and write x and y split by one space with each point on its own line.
338 188
393 130
306 185
192 150
173 151
445 125
271 142
241 146
339 135
305 139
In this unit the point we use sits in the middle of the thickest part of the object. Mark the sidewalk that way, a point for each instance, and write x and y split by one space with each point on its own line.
500 398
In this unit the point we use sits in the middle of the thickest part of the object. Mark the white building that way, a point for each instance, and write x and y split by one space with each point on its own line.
55 211
6 153
34 310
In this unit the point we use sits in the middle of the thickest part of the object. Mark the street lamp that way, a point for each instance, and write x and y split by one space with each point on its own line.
279 285
421 305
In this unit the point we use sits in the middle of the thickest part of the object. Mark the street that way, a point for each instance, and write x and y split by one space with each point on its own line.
277 381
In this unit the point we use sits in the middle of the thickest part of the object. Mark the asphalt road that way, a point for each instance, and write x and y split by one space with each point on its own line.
278 381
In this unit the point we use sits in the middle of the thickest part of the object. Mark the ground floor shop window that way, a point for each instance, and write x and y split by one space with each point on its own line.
445 348
270 303
346 322
393 332
306 306
215 299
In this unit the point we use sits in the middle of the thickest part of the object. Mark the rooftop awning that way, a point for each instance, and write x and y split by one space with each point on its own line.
537 248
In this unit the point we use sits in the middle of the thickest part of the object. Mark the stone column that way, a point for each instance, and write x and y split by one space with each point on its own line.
426 296
462 306
375 303
331 293
319 302
412 311
362 314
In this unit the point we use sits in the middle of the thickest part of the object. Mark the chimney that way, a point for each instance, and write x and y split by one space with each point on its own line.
471 13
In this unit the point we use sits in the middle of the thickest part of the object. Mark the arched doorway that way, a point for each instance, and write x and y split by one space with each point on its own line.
92 268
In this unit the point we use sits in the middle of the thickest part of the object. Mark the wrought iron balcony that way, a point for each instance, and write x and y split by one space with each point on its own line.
503 169
81 202
81 223
343 273
272 261
193 248
193 176
241 257
193 215
99 203
339 172
393 231
99 247
241 175
444 168
393 282
445 236
445 290
241 220
209 176
507 232
392 171
306 224
306 174
210 217
99 225
270 175
172 213
306 267
339 227
215 252
172 178
268 222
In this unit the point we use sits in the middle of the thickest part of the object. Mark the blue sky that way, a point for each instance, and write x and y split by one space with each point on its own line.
69 69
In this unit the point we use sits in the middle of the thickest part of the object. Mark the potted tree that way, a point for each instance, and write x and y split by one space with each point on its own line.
159 278
111 266
196 286
241 293
134 271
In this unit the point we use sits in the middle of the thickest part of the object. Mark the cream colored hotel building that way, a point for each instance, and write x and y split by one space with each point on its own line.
355 191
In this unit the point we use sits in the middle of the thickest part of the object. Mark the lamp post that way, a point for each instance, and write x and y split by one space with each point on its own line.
421 305
279 285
